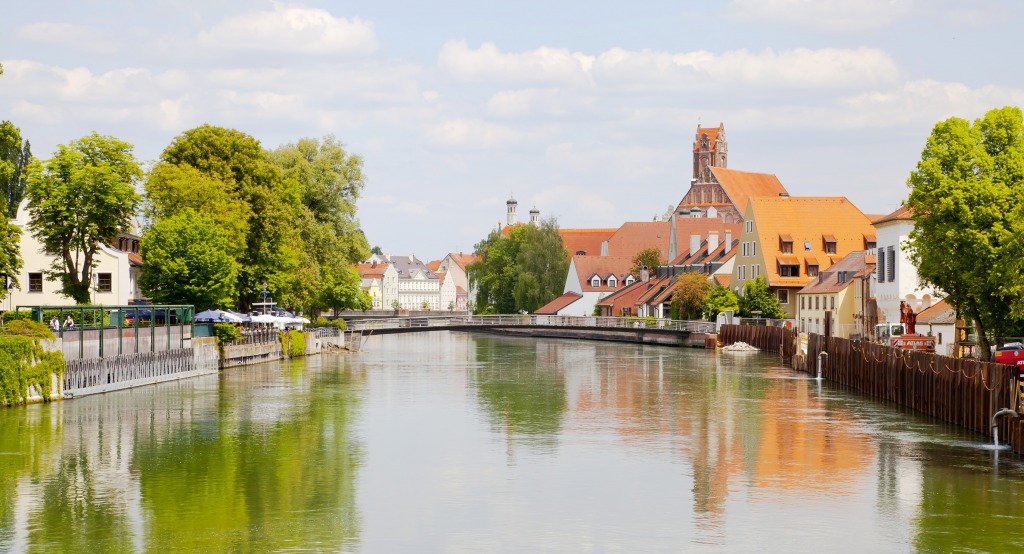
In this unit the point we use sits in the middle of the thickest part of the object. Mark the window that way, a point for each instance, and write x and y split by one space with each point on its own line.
742 272
890 252
940 338
753 248
786 247
817 302
789 270
595 281
807 246
750 226
802 298
35 282
833 302
812 270
755 270
630 280
612 282
830 247
880 266
746 249
104 283
783 296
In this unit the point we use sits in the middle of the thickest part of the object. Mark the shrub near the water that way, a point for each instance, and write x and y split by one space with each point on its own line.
20 345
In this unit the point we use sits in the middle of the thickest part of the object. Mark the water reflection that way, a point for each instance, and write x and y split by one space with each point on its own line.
250 460
448 442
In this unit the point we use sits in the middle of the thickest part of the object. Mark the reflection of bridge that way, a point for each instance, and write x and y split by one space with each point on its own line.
620 329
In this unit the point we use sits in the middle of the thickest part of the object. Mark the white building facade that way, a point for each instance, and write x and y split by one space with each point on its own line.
896 277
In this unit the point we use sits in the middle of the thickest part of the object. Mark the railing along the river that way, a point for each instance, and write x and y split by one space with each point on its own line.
531 321
256 336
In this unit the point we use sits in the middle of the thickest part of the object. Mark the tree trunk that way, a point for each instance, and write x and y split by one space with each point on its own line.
984 352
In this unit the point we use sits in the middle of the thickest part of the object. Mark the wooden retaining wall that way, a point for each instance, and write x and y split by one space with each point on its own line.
777 340
959 391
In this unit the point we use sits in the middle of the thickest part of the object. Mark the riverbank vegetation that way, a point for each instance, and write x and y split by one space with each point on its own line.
24 362
519 272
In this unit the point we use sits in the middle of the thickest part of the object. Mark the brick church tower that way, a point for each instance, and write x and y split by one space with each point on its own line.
709 150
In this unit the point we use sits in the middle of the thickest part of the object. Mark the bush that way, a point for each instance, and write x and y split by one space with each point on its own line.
322 321
28 328
92 318
226 332
297 343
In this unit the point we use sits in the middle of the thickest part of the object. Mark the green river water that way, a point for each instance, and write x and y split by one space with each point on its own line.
449 442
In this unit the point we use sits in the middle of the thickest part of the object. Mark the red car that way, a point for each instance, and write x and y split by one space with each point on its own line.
1011 353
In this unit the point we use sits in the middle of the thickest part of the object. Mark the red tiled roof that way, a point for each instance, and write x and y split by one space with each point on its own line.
634 236
602 266
712 133
433 265
940 313
584 240
464 260
625 298
560 303
741 186
722 279
134 259
903 213
368 271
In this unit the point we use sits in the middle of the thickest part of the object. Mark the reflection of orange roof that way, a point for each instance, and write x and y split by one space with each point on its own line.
584 240
553 307
740 186
807 219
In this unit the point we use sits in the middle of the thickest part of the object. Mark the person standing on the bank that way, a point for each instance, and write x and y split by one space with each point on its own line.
69 324
54 324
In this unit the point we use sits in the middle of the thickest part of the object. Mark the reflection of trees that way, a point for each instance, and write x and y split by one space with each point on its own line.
521 393
968 510
266 463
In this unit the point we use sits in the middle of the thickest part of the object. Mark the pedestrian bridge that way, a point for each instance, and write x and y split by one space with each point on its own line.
620 329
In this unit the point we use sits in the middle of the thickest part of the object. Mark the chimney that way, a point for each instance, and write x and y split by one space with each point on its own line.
604 248
645 274
712 241
672 248
694 243
374 265
412 258
728 240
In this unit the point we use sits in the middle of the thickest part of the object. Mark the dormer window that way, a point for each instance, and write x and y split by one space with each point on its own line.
630 280
785 244
612 281
807 246
595 281
830 244
789 266
812 270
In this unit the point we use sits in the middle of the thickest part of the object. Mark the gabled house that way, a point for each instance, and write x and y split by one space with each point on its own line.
725 193
372 281
456 266
789 241
560 305
594 277
112 285
841 289
896 276
938 321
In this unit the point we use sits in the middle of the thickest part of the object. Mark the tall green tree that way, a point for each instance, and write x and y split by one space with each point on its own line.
10 254
688 296
521 272
188 261
967 196
15 154
758 297
81 198
272 248
650 257
720 299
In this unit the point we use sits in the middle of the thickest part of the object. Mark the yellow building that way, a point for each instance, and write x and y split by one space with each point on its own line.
789 241
841 290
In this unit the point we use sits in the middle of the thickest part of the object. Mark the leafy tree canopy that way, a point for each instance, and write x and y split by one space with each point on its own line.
10 254
521 272
83 197
15 155
720 299
758 297
688 296
650 257
967 197
188 262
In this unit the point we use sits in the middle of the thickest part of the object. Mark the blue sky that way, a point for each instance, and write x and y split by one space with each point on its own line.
586 110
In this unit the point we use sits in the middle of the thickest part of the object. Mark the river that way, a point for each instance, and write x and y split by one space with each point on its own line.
452 442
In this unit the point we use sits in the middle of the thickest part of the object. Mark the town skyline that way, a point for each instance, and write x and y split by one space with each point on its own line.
587 112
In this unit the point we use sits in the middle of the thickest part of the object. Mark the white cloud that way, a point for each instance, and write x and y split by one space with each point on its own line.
649 70
291 29
825 15
627 162
488 63
477 133
77 36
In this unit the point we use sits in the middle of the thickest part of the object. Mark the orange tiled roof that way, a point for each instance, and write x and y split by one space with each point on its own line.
940 313
552 308
722 279
626 298
433 265
658 286
632 237
368 271
903 213
602 266
740 186
585 240
807 219
134 259
464 260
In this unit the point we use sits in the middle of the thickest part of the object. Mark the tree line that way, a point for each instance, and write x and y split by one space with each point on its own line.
223 217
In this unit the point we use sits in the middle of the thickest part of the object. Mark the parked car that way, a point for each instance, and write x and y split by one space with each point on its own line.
1011 353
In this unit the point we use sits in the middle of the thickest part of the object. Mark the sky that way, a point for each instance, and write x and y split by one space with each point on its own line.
586 110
